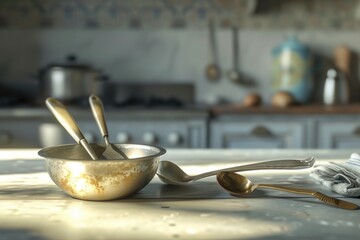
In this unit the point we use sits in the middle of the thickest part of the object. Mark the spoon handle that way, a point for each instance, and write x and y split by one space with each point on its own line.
235 48
285 188
97 109
67 121
272 164
322 197
212 41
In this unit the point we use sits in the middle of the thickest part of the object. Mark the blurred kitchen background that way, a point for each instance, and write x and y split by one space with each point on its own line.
284 73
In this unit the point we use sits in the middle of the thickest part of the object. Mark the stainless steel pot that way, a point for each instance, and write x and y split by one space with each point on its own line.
70 81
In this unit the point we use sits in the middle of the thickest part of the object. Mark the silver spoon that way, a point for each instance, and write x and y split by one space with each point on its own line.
212 70
97 109
170 173
67 121
240 185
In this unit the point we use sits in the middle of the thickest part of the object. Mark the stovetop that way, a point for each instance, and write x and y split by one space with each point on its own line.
125 96
150 102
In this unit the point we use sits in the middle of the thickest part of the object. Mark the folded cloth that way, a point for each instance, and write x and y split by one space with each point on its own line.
342 178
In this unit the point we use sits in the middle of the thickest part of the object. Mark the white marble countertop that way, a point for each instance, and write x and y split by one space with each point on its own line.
33 207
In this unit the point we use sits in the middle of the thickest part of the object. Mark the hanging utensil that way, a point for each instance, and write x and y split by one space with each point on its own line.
212 70
234 75
97 109
67 121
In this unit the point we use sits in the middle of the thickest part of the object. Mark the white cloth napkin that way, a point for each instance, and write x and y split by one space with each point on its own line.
342 178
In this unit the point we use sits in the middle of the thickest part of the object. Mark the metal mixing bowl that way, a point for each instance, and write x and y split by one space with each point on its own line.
71 168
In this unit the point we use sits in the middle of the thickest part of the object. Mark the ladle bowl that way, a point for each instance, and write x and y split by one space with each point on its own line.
213 72
71 169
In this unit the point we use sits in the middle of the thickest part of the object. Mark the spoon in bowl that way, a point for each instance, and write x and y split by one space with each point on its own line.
97 109
170 173
67 121
240 185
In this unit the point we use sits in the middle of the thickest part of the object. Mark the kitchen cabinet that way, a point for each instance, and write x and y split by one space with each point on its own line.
341 132
302 127
19 132
257 132
293 128
167 128
171 134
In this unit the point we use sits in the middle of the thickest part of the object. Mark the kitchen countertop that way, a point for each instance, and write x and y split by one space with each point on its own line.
123 113
200 111
33 207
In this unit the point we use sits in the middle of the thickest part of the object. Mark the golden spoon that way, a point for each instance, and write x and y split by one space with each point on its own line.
240 185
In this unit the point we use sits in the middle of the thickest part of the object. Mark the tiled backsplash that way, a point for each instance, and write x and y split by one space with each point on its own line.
167 40
296 14
167 56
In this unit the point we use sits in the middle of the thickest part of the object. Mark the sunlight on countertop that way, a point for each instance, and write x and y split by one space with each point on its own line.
33 207
18 153
128 220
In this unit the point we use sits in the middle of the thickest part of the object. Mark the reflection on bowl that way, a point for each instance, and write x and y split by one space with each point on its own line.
71 168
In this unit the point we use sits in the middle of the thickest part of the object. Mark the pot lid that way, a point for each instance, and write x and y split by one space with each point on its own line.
71 62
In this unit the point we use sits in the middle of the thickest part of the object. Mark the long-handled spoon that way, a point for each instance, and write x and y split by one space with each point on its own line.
234 75
212 70
240 185
67 121
170 173
98 112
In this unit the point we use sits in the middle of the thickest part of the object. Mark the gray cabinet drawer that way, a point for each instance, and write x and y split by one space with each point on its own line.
257 134
339 134
19 133
168 134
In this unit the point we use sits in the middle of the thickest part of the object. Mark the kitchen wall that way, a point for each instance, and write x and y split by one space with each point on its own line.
167 41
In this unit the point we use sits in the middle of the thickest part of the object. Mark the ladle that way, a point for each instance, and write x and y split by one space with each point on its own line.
234 74
170 173
240 185
97 109
212 71
67 121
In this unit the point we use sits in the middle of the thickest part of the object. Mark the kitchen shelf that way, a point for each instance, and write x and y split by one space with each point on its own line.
293 110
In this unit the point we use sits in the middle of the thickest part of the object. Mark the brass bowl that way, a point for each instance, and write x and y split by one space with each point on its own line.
71 168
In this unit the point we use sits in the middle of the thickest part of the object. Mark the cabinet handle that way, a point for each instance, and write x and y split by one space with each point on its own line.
261 131
123 137
357 131
149 138
5 137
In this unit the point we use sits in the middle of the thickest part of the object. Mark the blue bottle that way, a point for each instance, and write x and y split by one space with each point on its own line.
292 69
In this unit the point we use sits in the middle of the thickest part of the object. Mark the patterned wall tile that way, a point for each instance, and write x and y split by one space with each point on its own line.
297 14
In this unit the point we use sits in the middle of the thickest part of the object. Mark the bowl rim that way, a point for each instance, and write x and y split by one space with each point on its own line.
44 152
